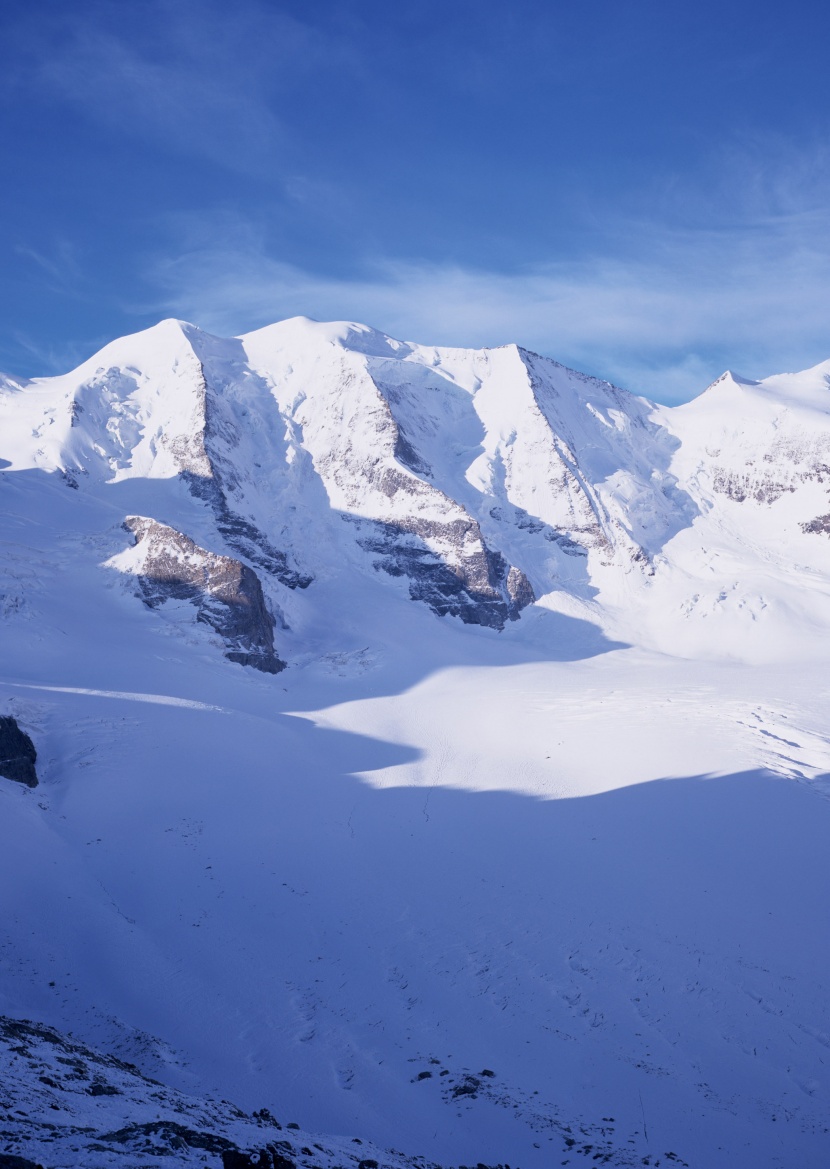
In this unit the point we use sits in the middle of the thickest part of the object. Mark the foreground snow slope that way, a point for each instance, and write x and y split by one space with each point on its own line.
586 852
71 1105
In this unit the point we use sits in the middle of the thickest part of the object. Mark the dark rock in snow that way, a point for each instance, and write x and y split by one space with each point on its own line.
267 1158
468 1087
234 1159
99 1089
17 753
227 593
166 1134
266 1116
820 526
481 588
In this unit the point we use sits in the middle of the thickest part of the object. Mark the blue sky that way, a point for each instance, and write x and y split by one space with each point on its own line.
638 189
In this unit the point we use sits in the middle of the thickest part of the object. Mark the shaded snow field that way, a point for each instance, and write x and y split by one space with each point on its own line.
587 853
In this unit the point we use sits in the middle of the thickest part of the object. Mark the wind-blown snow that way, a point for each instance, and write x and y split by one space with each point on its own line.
542 790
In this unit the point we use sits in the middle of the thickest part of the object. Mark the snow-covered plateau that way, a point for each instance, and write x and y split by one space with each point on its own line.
432 752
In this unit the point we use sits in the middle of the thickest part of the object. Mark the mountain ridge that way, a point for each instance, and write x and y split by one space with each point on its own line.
481 480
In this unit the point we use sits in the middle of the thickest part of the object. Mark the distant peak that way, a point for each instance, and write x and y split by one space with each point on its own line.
739 380
351 335
730 377
166 328
158 345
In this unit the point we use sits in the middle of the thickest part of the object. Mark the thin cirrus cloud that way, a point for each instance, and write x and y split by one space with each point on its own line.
199 78
656 274
663 320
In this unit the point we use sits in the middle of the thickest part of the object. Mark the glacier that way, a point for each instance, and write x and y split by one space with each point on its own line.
403 714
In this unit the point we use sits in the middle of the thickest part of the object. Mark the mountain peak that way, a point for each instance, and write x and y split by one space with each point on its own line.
344 334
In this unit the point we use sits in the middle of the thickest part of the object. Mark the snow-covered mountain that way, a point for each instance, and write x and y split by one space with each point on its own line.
481 481
352 666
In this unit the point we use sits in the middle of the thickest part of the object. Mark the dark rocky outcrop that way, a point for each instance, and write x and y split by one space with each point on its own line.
9 1161
161 1136
820 526
480 589
227 593
17 753
271 1157
742 485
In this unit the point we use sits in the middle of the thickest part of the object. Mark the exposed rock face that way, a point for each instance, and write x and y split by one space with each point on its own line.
227 594
744 485
269 1157
819 526
476 584
17 753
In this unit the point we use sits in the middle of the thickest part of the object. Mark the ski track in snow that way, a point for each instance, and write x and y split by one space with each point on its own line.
125 695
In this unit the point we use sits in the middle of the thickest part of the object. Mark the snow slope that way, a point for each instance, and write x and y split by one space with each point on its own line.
542 789
83 1107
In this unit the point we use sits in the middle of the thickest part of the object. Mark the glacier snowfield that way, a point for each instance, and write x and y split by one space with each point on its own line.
519 858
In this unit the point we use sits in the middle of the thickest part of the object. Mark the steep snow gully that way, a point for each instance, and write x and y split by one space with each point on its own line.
424 746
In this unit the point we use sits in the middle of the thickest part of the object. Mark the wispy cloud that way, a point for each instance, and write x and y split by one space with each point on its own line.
663 318
58 268
734 270
190 75
47 358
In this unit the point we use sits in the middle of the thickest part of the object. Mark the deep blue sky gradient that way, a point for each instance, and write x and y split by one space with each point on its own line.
639 189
